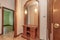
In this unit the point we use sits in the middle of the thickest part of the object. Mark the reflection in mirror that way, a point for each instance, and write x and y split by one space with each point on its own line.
25 11
31 12
30 27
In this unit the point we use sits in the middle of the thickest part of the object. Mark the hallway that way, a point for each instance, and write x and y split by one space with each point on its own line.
18 7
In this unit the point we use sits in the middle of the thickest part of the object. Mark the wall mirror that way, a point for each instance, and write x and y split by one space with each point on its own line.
31 20
31 13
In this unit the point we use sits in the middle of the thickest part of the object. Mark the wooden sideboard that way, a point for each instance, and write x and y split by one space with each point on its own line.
30 32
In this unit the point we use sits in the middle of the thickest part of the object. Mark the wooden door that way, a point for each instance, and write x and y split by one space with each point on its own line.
56 20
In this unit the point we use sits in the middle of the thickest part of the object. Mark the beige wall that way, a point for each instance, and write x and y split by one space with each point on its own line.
43 19
19 18
0 21
7 4
22 12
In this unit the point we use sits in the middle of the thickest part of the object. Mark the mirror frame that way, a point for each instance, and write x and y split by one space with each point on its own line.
38 17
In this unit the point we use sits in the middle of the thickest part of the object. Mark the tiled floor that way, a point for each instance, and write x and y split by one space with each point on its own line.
7 29
9 36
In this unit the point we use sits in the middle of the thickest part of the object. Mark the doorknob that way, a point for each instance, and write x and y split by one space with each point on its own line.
56 25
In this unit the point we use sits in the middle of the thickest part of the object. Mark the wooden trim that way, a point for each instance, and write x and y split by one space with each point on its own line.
0 34
8 8
50 18
18 35
15 19
2 20
0 7
38 20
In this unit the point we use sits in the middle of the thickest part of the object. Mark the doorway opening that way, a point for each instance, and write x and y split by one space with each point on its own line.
7 21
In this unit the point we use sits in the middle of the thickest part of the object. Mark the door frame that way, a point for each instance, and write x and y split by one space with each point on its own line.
50 19
14 21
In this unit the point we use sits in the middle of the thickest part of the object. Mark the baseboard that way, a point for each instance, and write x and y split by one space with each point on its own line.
1 34
17 35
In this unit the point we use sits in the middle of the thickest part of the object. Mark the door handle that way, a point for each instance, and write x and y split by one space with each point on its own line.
56 25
